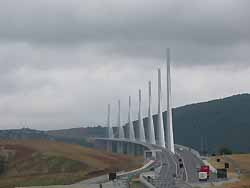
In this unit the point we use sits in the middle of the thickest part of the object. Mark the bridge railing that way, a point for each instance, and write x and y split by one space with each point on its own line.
137 171
195 152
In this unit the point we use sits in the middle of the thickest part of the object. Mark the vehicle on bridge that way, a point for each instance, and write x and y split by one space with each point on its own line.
204 173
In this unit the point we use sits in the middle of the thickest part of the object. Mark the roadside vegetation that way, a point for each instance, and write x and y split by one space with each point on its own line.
42 162
239 166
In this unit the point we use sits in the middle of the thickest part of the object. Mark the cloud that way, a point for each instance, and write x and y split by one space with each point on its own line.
62 61
134 28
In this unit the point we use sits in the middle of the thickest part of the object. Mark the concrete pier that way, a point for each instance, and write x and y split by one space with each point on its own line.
121 147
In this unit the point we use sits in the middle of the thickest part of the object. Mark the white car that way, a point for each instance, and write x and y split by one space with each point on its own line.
181 149
203 176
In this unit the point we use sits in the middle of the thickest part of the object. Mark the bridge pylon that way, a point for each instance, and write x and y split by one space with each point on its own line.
160 128
170 135
140 121
110 129
151 129
120 128
130 123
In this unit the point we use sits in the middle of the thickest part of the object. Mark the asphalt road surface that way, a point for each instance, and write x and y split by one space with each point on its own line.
191 163
166 178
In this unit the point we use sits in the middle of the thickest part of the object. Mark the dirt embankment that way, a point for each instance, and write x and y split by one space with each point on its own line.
239 163
42 162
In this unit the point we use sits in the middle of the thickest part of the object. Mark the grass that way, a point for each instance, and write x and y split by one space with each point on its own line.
41 180
241 161
244 162
42 162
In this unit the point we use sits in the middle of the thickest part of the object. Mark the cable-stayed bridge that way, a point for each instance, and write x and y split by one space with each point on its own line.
135 138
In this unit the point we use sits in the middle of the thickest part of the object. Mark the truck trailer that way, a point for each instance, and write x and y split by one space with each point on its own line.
204 173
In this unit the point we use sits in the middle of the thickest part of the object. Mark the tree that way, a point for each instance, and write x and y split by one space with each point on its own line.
2 165
225 150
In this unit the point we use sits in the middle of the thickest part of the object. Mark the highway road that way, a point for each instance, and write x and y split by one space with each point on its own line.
172 176
191 163
166 177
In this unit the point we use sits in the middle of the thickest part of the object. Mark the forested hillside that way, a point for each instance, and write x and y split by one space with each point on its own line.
205 126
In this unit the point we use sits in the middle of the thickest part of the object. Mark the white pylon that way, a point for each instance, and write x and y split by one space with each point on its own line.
170 135
110 130
130 123
121 131
151 129
140 121
160 128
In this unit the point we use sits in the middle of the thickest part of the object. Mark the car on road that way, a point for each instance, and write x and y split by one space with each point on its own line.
203 176
204 173
181 149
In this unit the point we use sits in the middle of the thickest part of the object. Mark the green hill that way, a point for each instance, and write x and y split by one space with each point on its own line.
204 126
209 126
213 124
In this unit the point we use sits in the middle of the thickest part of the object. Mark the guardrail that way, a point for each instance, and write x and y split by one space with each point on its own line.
195 152
185 178
143 177
139 170
145 182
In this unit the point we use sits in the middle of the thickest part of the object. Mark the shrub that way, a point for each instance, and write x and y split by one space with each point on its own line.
2 165
225 150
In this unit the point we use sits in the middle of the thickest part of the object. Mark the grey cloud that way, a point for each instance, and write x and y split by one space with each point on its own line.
216 22
62 61
200 32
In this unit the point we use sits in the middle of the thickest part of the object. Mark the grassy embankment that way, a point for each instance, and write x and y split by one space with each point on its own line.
41 162
239 161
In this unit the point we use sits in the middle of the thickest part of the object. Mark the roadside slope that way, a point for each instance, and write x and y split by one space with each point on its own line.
236 161
42 162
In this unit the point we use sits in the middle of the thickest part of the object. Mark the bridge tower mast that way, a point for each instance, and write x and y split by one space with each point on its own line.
130 123
170 136
121 131
160 128
110 130
141 127
151 129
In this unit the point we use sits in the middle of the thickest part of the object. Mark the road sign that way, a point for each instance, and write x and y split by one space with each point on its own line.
222 173
226 165
112 176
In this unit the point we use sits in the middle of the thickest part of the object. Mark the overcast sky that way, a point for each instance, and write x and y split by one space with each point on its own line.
63 61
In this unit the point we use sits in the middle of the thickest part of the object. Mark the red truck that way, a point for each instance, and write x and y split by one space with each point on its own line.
204 173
